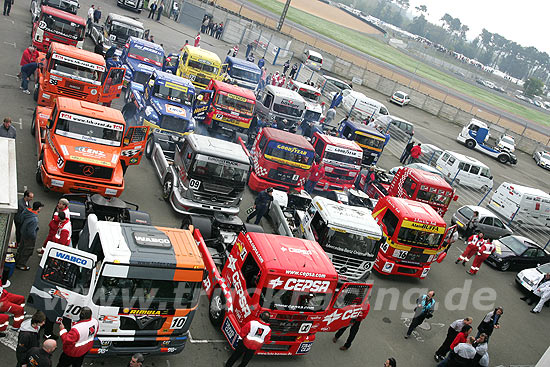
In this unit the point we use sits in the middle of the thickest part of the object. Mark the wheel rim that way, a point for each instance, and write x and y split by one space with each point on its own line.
505 265
148 148
167 188
216 307
484 188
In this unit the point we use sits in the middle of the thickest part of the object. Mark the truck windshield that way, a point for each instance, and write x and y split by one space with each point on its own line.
310 115
310 95
201 66
123 31
68 6
243 74
315 59
146 294
289 154
89 129
343 158
175 95
419 238
293 111
288 300
220 168
432 197
369 141
74 69
63 27
235 103
143 54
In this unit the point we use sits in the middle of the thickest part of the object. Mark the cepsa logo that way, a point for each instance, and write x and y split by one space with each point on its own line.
300 285
240 292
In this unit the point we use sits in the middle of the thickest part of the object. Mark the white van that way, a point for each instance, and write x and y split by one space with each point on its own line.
313 60
362 105
533 204
467 170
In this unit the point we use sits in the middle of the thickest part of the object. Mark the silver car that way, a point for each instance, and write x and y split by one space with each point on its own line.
542 159
530 278
491 226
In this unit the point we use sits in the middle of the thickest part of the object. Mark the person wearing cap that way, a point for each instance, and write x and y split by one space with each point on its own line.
29 230
261 205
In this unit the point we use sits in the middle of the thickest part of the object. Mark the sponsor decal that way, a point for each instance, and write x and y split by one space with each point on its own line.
254 248
239 289
238 98
222 161
293 250
89 152
344 151
305 274
423 227
143 238
300 285
77 62
206 62
57 293
242 250
89 160
73 259
136 311
181 88
292 149
91 121
175 110
349 314
304 348
230 332
133 160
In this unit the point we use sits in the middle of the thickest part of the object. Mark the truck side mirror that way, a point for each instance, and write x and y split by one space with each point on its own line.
200 97
50 123
455 198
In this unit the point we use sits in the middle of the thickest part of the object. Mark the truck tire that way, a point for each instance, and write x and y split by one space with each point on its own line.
167 186
33 123
470 144
503 158
36 93
216 307
149 147
253 228
38 175
201 222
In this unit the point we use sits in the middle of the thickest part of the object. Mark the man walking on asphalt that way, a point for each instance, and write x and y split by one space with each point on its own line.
29 230
293 70
261 205
424 310
406 152
416 151
7 130
462 355
355 325
7 7
455 327
79 340
89 19
475 242
315 174
41 357
255 334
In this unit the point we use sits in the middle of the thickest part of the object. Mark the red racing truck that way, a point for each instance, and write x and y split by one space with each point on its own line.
414 184
56 25
342 160
414 237
291 278
280 159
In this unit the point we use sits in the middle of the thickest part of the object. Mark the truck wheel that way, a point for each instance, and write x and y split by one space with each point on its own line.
167 187
149 148
503 158
38 175
253 228
36 93
470 144
216 309
33 124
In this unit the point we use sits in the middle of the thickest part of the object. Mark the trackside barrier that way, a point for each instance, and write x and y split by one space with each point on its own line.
536 229
280 55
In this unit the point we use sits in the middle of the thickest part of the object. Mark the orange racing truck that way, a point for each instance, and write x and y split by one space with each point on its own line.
280 159
84 147
291 278
414 237
141 282
71 72
55 25
414 184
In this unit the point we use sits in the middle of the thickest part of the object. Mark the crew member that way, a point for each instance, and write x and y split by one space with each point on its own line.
484 252
406 152
79 340
14 304
543 291
316 173
261 205
474 244
355 324
255 334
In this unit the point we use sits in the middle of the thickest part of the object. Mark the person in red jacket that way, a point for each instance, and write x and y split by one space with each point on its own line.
462 337
14 304
79 340
29 55
416 151
484 252
198 39
355 324
474 244
315 174
254 333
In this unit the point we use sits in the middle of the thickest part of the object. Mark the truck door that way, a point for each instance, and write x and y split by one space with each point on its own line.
64 282
347 304
134 144
112 86
202 104
171 63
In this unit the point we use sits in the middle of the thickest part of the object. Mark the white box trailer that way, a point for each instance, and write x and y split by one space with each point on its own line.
523 204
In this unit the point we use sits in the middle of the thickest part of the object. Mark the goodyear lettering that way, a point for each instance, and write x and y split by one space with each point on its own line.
70 258
240 292
292 149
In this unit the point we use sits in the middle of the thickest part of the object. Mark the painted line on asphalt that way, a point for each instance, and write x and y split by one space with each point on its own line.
20 123
12 76
204 341
11 43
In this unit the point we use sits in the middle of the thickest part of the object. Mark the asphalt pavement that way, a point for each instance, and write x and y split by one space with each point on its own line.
522 339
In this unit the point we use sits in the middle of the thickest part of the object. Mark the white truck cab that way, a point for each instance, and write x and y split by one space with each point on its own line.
474 126
349 235
312 98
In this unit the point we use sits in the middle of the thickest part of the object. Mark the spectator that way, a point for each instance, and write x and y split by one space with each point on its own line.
286 65
7 7
424 310
152 9
416 151
406 152
29 230
59 232
204 25
198 39
219 30
98 48
41 357
336 100
293 70
255 333
451 238
29 55
89 20
261 62
27 71
159 12
234 51
261 205
331 114
461 355
249 48
136 360
471 226
210 26
454 329
79 340
543 291
490 322
263 79
22 204
175 11
29 336
7 130
14 304
97 15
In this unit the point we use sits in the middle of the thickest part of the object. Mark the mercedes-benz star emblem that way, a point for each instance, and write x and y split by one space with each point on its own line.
88 170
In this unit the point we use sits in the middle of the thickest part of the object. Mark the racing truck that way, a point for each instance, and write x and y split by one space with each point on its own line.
115 32
291 278
201 174
279 107
244 73
165 105
54 25
280 159
342 160
69 6
312 98
139 58
476 135
84 147
72 72
369 139
141 282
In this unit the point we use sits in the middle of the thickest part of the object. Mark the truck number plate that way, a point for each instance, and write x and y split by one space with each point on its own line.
400 254
178 322
194 184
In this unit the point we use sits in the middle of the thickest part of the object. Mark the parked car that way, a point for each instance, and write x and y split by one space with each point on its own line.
429 150
491 226
404 129
340 84
542 159
517 252
521 97
421 166
530 278
400 98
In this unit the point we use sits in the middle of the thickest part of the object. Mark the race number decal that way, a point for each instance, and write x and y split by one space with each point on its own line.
304 329
194 184
178 322
42 24
218 116
192 77
384 247
112 37
400 254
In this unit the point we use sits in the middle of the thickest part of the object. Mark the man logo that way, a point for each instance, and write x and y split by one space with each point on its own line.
88 170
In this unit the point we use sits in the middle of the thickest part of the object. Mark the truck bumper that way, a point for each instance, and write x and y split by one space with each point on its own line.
111 346
259 184
186 206
388 266
326 185
67 185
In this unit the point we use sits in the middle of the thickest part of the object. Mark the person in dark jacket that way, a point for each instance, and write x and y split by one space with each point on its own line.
336 100
293 70
41 357
29 336
355 324
261 205
406 152
286 65
97 15
22 204
29 229
219 31
27 71
7 130
7 7
159 12
490 322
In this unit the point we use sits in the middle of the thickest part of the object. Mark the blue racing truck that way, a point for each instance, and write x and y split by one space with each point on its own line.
165 104
140 58
368 138
476 136
245 73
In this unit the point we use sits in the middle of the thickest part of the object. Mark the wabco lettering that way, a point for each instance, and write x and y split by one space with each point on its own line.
153 239
70 258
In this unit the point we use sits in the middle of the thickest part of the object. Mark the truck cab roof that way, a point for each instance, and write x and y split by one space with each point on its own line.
198 52
414 210
243 64
356 219
162 76
217 147
356 126
339 142
63 14
77 53
234 89
140 41
126 20
281 92
425 177
287 137
89 109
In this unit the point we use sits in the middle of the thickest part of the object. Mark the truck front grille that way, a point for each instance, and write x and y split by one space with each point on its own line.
286 326
141 323
174 124
88 170
70 92
289 177
351 265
